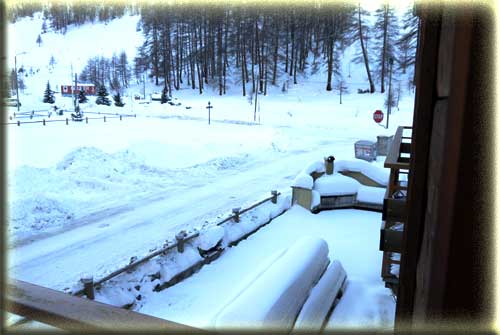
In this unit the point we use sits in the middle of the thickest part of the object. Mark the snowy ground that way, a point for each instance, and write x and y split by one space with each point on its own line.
77 191
352 237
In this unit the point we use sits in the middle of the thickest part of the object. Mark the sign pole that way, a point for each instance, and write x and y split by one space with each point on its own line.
209 107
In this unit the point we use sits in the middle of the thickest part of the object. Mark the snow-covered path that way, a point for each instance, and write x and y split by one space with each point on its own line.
113 236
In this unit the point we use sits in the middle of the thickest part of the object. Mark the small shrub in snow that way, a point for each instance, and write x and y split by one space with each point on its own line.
118 100
82 98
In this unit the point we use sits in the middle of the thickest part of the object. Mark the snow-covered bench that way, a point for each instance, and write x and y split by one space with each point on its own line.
275 295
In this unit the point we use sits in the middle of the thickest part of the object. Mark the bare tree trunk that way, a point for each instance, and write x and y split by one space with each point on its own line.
365 54
275 54
384 52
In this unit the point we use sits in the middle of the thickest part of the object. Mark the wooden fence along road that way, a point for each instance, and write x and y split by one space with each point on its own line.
30 115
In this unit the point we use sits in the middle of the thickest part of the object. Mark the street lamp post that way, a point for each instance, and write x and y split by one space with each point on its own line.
17 83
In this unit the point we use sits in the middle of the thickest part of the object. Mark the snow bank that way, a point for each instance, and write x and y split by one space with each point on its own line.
371 195
372 171
276 296
38 213
318 304
362 306
116 296
318 166
336 184
303 180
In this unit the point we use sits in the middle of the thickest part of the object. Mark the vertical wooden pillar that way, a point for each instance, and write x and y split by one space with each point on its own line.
425 70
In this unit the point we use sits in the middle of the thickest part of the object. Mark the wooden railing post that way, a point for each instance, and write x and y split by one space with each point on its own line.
88 285
274 193
236 214
180 240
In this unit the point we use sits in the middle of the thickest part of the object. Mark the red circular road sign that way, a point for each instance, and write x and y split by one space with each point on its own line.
378 116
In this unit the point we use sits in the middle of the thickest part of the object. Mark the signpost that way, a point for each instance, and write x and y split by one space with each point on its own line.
378 116
209 107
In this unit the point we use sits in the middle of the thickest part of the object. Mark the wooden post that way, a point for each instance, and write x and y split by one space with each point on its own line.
274 193
66 121
88 286
44 122
104 118
86 119
120 117
180 241
236 214
18 123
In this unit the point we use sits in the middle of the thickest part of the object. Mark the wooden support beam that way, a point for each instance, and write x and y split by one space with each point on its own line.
68 312
426 73
394 210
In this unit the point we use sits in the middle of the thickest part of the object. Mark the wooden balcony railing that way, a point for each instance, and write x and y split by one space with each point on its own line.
72 313
395 208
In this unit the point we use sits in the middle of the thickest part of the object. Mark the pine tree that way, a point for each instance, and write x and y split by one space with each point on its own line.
48 96
52 62
44 26
82 98
118 100
39 40
102 96
407 45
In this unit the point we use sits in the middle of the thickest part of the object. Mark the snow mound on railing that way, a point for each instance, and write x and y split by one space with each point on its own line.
372 171
317 166
336 184
303 180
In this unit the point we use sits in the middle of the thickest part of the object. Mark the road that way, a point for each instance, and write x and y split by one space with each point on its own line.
106 240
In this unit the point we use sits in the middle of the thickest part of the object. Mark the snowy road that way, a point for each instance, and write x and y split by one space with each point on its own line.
107 242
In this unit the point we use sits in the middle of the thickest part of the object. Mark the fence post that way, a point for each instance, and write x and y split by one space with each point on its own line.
44 122
18 122
274 193
120 117
104 118
88 285
66 121
180 241
236 214
86 119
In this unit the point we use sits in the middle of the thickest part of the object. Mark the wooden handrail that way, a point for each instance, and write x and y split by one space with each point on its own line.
72 313
393 159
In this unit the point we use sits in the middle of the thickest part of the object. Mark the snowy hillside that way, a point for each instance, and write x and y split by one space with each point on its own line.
85 185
